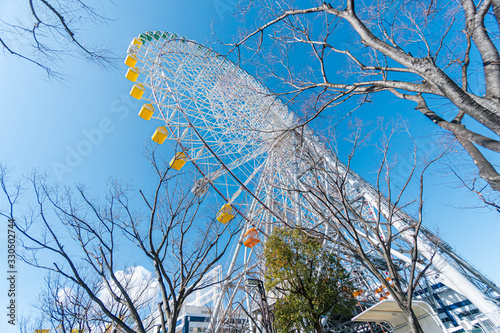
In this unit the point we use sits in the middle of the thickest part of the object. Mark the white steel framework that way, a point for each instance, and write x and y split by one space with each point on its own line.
242 140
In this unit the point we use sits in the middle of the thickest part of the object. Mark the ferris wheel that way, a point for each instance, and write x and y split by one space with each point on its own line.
244 144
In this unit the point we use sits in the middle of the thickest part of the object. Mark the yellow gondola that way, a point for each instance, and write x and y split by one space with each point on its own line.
225 214
178 161
160 135
131 60
137 41
132 74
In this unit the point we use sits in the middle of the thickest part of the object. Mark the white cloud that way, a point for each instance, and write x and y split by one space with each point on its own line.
139 283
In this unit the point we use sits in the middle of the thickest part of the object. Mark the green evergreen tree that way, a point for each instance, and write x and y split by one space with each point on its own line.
308 281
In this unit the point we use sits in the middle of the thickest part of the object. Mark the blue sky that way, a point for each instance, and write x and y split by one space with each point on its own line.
86 128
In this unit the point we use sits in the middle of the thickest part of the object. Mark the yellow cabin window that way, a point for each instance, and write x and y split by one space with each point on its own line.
131 60
137 91
251 238
160 135
178 161
147 111
132 74
225 214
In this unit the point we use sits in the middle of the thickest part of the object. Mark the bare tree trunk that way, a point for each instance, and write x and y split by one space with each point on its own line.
162 318
486 170
413 323
318 326
172 321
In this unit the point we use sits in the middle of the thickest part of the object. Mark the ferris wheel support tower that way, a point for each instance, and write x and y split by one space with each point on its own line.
244 143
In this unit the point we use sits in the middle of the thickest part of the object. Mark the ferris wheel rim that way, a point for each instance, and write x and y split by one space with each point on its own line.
222 163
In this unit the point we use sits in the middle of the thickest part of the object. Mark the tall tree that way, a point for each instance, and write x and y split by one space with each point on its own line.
441 56
389 242
364 224
91 243
309 282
